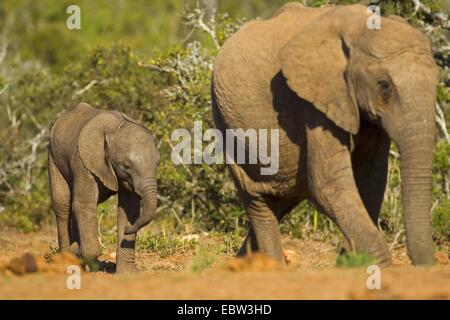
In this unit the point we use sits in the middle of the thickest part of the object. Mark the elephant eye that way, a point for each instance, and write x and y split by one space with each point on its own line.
385 87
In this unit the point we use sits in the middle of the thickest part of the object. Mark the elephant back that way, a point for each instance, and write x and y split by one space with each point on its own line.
65 132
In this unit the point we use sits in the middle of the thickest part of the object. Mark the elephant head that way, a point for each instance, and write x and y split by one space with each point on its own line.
122 154
385 76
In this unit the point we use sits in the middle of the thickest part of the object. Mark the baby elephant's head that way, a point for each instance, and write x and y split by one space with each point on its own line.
123 155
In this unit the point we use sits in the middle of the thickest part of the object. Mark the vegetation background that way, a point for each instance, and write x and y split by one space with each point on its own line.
152 60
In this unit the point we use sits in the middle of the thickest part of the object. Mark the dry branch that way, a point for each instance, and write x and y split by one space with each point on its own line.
3 53
440 120
438 16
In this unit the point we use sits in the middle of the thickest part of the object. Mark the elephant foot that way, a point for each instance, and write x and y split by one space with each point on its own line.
75 249
245 252
386 262
379 252
277 255
126 268
125 262
281 259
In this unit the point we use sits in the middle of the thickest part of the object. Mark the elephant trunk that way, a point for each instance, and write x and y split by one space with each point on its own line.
148 194
416 152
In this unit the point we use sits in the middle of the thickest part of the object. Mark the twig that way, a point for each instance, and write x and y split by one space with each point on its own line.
196 19
99 227
3 53
4 89
420 7
2 57
176 216
440 120
86 88
435 204
210 30
394 243
394 154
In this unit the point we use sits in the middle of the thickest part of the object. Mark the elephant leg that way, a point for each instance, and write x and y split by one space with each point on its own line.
370 167
74 235
127 212
60 193
84 207
250 244
334 191
280 207
264 224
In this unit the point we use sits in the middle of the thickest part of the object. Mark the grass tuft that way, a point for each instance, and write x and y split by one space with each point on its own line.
165 245
355 260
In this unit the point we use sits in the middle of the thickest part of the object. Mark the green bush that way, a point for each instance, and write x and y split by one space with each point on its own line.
164 244
204 258
441 222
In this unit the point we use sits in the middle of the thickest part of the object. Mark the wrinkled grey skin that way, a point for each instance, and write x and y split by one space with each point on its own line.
94 154
339 93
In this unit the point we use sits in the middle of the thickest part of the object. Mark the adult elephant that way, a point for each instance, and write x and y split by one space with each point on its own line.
94 154
338 92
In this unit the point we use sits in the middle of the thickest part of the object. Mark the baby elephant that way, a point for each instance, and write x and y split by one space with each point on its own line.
94 154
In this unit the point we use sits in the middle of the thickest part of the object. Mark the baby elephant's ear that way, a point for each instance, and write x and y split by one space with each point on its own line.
93 149
129 119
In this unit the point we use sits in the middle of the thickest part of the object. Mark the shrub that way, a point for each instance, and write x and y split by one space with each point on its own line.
441 222
164 244
354 260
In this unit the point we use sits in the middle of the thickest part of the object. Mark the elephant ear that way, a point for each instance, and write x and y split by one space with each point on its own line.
93 147
129 119
314 63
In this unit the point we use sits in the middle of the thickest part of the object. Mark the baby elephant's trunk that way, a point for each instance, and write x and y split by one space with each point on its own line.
148 194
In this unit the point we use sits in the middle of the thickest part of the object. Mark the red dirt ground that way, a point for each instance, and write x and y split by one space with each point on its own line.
310 275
